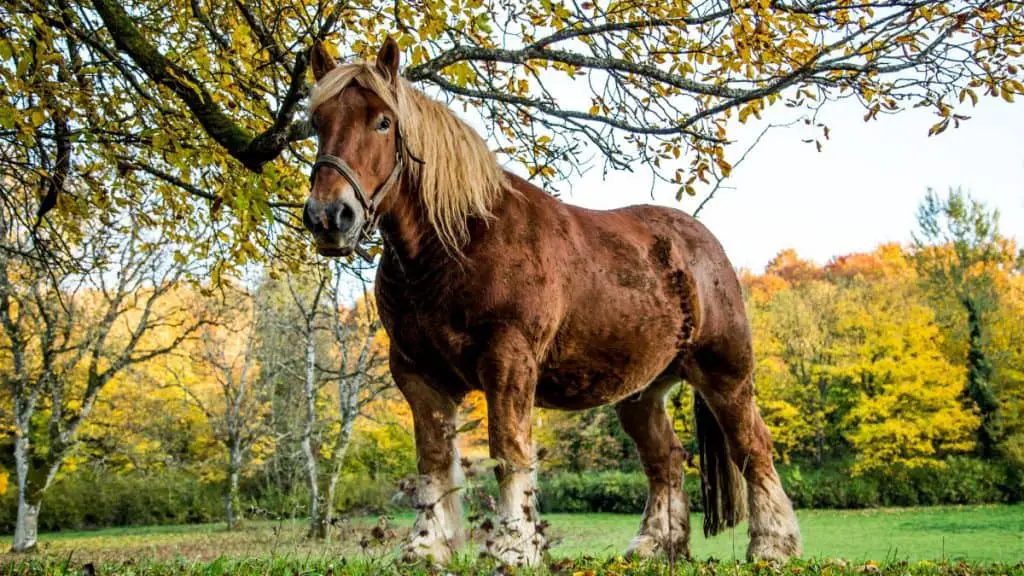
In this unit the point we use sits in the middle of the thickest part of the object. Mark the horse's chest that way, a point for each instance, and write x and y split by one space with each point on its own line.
433 343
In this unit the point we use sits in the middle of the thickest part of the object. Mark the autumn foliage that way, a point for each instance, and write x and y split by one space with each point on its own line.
198 106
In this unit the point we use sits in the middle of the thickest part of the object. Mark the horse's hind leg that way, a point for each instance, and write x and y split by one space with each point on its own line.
437 533
666 522
742 434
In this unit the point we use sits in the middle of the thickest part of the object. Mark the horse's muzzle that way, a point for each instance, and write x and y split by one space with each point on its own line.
332 225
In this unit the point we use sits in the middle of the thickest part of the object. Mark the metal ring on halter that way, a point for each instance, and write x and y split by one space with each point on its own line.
369 204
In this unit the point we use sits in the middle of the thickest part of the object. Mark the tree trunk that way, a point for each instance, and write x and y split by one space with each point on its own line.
348 400
322 525
231 498
819 448
26 526
307 437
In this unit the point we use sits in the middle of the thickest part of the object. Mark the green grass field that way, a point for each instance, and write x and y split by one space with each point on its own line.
978 534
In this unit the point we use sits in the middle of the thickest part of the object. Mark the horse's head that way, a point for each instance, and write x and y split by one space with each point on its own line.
359 157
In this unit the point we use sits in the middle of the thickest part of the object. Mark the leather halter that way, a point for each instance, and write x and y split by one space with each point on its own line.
368 203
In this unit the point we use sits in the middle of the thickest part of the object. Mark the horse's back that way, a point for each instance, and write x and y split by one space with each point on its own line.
667 243
636 287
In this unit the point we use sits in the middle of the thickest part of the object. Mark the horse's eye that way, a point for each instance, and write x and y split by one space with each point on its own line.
314 121
383 124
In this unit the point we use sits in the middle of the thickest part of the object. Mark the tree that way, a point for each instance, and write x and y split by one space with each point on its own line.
283 355
236 406
793 269
97 92
905 412
307 305
66 333
1006 348
359 370
804 326
958 251
792 310
786 383
340 345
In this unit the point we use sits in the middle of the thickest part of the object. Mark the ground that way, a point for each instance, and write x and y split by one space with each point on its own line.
977 534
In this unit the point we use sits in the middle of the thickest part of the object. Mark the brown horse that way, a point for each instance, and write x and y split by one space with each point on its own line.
488 283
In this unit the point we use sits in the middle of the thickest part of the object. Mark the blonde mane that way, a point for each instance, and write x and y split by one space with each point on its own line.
459 177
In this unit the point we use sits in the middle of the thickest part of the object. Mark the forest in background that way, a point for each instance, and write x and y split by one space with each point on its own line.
889 377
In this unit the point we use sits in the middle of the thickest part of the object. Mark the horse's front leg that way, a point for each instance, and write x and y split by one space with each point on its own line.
508 373
437 533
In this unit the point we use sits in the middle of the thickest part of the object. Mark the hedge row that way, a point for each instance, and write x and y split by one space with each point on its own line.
960 481
89 499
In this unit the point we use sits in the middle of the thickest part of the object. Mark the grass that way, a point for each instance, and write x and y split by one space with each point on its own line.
970 534
974 534
581 567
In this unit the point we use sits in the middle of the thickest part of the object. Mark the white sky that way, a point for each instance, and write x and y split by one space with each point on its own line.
861 190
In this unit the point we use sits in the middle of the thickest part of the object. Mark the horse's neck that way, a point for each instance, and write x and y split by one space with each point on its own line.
414 253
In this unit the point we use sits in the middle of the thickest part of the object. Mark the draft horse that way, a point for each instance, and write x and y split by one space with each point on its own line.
488 283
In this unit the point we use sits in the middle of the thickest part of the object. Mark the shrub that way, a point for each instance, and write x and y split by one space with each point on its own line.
621 492
89 499
959 481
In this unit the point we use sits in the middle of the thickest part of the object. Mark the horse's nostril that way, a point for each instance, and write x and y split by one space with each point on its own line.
307 219
346 217
331 213
331 219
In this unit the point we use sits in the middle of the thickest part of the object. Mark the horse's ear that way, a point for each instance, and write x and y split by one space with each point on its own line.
321 60
387 59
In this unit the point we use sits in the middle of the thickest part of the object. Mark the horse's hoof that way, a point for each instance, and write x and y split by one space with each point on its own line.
421 549
642 547
773 547
517 558
514 552
645 546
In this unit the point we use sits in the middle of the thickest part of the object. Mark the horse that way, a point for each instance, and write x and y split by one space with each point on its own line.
488 283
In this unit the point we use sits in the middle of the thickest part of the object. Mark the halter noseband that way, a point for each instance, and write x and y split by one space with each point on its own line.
369 204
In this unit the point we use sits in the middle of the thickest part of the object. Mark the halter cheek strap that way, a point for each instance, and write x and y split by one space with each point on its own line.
370 204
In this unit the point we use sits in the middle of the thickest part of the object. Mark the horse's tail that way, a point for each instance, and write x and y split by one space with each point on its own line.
721 483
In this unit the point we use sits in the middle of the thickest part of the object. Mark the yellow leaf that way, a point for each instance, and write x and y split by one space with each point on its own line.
725 167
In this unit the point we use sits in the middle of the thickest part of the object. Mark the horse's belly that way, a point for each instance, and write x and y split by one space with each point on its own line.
603 377
614 343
